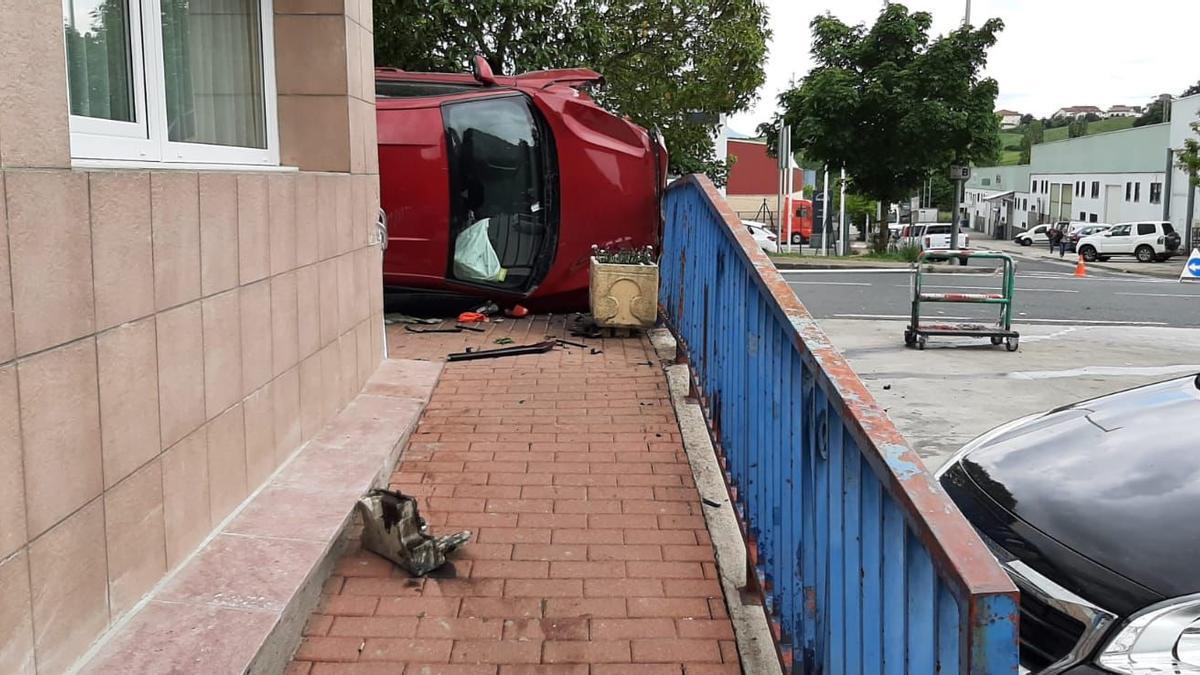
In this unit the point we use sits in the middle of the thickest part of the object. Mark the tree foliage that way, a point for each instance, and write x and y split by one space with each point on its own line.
1188 157
1192 90
1155 113
661 59
891 104
1077 128
1035 134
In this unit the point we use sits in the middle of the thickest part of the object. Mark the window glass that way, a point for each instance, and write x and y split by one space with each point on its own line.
1167 229
1137 192
99 66
499 180
213 71
1146 228
1120 231
394 89
1095 189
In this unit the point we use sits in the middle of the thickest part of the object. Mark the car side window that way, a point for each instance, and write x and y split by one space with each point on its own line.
1146 228
1120 231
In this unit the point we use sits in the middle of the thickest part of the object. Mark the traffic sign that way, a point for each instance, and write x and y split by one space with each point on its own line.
1191 269
960 172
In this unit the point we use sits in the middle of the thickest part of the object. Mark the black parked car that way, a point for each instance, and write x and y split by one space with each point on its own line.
1094 511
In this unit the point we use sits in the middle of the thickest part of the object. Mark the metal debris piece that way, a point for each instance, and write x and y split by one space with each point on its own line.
473 329
394 529
710 502
454 329
394 318
519 350
503 341
570 344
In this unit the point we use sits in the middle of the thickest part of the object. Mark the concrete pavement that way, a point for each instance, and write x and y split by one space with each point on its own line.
1166 270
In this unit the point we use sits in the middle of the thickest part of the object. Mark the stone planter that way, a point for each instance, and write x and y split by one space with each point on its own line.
624 296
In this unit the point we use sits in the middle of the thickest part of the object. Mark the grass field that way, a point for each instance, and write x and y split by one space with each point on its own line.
1012 157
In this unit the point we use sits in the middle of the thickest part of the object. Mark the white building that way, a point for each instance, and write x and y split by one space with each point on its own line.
1076 111
1008 118
1123 111
1115 177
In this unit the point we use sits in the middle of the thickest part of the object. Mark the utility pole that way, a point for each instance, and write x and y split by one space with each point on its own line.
843 227
825 213
960 182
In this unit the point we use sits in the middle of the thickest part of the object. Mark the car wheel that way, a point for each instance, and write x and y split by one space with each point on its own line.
1088 253
797 239
1026 242
1144 254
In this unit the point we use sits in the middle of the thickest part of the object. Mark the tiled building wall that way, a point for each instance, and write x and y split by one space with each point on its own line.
168 337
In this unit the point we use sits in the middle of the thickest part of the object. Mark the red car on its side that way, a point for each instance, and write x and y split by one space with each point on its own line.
497 187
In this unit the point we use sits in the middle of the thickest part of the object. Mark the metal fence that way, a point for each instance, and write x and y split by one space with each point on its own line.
865 565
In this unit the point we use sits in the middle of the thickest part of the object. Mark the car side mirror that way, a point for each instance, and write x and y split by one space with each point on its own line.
482 71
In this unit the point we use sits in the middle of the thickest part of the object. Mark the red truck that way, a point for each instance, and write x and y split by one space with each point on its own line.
497 187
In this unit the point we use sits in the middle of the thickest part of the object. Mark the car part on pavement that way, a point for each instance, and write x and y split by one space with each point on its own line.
394 529
519 350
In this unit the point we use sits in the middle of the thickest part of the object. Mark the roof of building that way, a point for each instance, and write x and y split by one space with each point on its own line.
1007 112
1124 108
1080 109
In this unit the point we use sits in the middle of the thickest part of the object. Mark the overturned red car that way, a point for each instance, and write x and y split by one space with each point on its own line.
497 187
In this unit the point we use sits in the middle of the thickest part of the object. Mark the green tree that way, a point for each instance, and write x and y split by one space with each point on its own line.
662 60
1192 90
1188 158
1077 128
1154 114
1035 134
891 104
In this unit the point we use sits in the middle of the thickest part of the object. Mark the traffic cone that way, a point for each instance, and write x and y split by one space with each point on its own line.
1080 268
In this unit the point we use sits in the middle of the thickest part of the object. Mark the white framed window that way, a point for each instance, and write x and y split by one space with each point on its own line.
184 81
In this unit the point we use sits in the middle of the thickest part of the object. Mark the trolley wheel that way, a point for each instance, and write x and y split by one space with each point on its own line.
910 338
921 343
997 341
1011 344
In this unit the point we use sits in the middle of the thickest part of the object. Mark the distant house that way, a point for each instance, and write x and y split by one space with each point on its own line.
755 176
1008 118
1123 111
1079 111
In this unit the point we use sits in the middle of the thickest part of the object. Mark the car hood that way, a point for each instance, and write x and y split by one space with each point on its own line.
1116 479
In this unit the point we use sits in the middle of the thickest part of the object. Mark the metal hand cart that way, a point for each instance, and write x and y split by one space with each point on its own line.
917 333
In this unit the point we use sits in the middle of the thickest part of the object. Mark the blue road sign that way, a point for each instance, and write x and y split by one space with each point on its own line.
1191 270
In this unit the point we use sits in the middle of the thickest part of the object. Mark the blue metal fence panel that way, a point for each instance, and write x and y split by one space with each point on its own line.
866 566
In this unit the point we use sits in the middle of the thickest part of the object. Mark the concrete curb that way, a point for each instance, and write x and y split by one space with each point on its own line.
755 643
1167 270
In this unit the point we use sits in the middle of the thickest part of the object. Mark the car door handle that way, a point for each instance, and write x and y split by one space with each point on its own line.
381 230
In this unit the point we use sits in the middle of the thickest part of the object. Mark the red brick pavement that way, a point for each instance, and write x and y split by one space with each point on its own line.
589 555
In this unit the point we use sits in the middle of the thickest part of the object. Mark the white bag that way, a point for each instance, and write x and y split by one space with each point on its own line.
474 257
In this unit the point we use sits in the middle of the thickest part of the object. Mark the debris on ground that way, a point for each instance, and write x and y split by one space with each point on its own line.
516 312
472 317
503 341
452 329
519 350
710 502
395 318
488 309
394 529
568 343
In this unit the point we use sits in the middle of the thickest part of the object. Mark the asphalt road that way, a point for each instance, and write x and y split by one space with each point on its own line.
1047 293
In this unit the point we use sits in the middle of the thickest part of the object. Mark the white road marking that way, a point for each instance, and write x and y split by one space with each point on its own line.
1148 371
878 270
993 288
905 317
1161 295
834 283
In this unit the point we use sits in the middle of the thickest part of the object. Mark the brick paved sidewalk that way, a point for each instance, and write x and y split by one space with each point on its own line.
590 553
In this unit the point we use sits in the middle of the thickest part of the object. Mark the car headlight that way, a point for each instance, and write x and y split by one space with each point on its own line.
979 441
1161 638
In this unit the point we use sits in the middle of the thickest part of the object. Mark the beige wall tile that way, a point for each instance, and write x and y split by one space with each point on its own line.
180 372
259 410
254 241
33 85
352 58
348 358
366 274
327 216
186 511
346 287
358 160
331 381
330 319
366 358
346 213
372 141
50 248
376 287
122 258
175 206
60 433
311 54
312 396
222 352
128 368
366 15
70 588
226 463
359 196
351 8
133 526
286 397
8 345
376 331
218 232
314 132
16 616
285 323
256 335
12 476
308 302
306 218
309 6
282 214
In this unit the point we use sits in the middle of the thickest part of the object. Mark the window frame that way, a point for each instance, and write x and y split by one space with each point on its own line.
1137 192
1095 189
1156 190
101 141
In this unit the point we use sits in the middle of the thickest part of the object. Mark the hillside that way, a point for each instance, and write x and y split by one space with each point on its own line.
1013 138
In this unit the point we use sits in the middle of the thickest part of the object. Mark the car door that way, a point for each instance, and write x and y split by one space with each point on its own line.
1147 233
1117 240
1038 234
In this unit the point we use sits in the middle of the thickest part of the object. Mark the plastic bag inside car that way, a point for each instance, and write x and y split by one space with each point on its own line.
474 257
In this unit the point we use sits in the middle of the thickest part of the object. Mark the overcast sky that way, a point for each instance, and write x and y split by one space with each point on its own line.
1051 54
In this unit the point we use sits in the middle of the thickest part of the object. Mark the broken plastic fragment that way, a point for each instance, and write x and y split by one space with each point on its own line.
394 529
